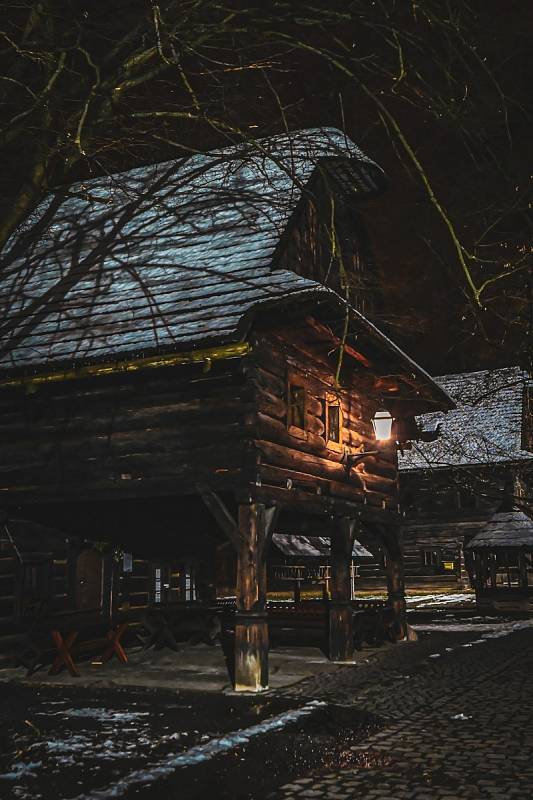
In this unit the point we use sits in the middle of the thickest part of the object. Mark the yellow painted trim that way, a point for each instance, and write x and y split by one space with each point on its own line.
207 356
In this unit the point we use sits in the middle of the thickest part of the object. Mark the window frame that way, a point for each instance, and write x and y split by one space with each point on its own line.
294 381
333 401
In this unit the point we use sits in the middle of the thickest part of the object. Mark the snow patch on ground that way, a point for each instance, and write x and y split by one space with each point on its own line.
432 600
491 630
200 753
20 770
494 631
101 714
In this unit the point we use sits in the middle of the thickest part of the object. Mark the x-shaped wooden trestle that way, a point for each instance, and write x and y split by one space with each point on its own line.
64 657
65 644
114 635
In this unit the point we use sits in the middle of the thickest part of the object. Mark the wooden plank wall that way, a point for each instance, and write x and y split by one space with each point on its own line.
307 246
12 602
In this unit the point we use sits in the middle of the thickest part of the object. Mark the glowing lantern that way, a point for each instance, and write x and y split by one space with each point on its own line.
382 424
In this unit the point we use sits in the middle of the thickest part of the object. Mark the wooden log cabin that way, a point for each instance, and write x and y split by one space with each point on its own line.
452 487
184 363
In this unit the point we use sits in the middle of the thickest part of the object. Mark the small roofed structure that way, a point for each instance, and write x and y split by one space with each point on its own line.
502 553
305 562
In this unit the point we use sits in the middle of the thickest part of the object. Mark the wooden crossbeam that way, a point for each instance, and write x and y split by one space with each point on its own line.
323 330
229 525
271 518
221 514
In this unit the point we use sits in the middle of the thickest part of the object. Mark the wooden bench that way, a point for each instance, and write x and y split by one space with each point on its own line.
373 621
170 623
297 626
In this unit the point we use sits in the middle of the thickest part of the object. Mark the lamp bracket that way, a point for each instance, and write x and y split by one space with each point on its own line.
351 459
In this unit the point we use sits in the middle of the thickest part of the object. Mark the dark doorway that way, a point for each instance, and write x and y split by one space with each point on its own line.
89 580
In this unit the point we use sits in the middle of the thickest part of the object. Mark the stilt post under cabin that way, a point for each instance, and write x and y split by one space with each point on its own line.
250 534
251 625
341 639
395 579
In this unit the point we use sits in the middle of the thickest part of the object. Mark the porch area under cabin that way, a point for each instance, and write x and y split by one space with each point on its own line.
162 570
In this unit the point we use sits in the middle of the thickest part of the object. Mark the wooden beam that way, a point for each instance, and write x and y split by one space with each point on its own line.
319 327
311 503
221 514
206 356
341 639
271 518
393 546
251 626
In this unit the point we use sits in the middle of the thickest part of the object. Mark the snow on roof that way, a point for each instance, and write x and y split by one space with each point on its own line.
485 428
164 256
312 546
504 529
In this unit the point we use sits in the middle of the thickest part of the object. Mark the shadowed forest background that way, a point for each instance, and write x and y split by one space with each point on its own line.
438 93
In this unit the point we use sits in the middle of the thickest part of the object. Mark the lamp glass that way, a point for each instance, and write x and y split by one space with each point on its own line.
382 424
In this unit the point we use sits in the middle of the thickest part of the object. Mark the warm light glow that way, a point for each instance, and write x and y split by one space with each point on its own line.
382 424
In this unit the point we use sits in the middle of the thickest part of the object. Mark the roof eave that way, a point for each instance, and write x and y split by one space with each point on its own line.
441 401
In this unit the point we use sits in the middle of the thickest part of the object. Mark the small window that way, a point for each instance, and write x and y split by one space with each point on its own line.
160 593
430 558
157 585
333 424
190 583
296 407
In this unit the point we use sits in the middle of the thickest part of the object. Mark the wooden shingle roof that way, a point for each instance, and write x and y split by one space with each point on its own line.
485 428
505 529
312 546
163 257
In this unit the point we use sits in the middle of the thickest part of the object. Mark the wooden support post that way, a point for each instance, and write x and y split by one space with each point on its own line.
462 574
251 625
296 592
341 639
395 579
251 537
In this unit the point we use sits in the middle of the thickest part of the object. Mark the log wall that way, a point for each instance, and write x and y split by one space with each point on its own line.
123 435
305 461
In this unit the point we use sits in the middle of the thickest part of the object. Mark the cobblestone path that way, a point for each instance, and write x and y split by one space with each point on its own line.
454 726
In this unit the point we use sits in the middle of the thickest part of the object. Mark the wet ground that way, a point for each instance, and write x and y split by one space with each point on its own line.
71 743
442 718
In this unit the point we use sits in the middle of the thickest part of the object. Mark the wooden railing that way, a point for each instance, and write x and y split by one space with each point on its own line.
307 572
